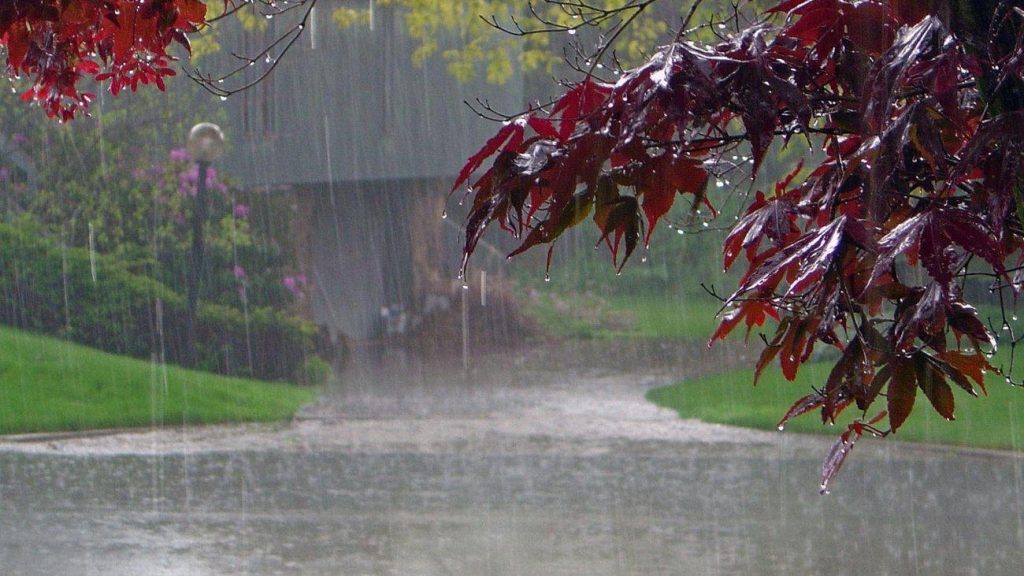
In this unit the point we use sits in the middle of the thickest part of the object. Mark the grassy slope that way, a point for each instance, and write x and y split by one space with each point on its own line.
730 398
48 385
646 316
993 421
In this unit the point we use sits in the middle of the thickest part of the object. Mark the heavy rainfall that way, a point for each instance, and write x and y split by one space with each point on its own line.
260 356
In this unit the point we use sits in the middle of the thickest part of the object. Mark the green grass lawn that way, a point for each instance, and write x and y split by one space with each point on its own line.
992 421
48 384
618 316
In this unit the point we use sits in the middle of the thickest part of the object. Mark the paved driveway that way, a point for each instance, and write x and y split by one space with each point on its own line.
547 462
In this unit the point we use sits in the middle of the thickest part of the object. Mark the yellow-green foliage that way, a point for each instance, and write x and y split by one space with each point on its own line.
346 17
252 19
205 42
485 48
481 48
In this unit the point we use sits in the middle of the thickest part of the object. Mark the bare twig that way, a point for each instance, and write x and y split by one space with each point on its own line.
268 9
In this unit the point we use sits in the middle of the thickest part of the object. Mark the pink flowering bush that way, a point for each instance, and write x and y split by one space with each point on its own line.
238 270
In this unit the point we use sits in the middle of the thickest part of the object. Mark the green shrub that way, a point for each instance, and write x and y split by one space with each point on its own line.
314 371
95 300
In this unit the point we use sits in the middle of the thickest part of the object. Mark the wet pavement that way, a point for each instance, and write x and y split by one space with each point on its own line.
547 461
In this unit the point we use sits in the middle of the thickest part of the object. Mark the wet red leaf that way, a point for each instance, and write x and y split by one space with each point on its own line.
932 382
802 406
837 455
973 366
901 392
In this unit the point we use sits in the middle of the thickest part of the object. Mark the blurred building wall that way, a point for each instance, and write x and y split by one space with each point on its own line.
368 143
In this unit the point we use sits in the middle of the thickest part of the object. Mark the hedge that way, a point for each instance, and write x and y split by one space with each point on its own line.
95 300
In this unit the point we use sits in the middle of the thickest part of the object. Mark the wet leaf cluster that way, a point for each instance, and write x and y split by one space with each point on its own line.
57 44
913 111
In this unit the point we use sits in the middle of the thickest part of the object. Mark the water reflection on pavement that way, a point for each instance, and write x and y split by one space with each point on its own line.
409 468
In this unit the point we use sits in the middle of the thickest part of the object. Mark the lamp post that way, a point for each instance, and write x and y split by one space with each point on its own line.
205 144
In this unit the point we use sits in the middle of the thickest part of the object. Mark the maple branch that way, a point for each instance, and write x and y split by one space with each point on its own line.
587 16
235 7
285 40
684 25
619 29
490 113
710 290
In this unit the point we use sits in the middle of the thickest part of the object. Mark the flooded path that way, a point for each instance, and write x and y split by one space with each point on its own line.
543 463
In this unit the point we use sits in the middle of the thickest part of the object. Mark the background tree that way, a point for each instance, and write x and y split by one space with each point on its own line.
115 183
913 113
116 188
